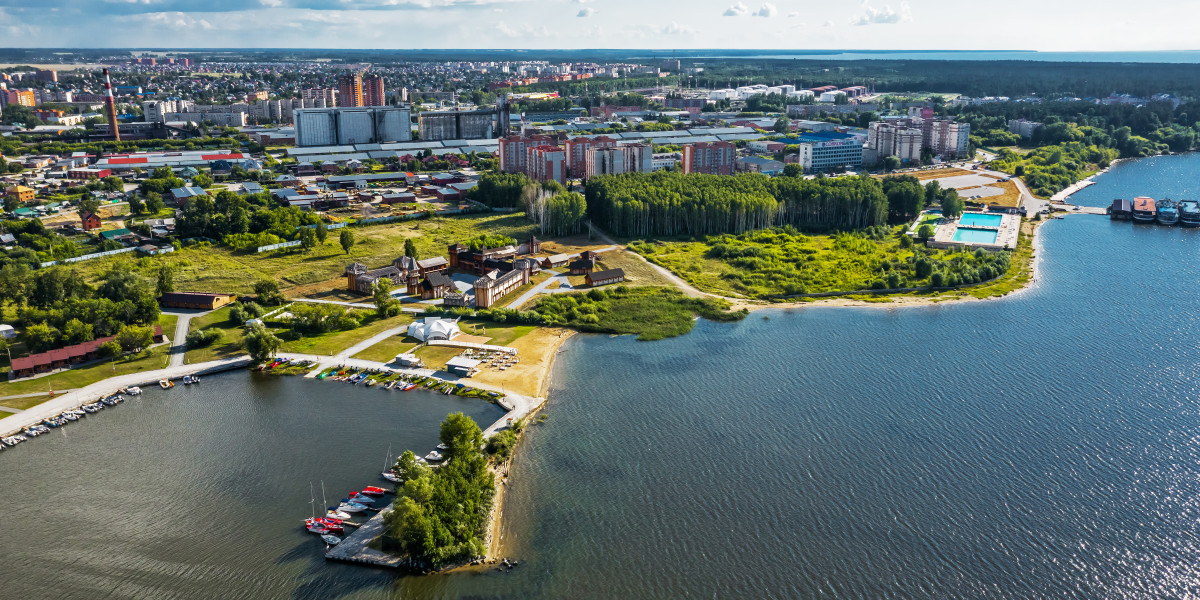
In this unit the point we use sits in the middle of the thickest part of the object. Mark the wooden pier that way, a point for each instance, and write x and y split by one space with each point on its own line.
355 547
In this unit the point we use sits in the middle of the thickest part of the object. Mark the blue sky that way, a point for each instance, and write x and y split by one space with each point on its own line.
872 24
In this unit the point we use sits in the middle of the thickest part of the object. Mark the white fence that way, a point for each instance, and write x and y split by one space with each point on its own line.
290 244
85 257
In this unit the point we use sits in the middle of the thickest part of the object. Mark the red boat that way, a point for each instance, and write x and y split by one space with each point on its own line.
374 491
323 525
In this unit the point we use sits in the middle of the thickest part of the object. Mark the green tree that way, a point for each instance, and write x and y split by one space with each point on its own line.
408 468
133 338
267 291
782 125
952 204
261 343
14 278
322 233
461 435
202 180
136 205
385 304
110 349
410 249
891 163
11 203
113 184
89 204
40 337
925 232
166 280
154 203
346 239
308 239
793 170
76 332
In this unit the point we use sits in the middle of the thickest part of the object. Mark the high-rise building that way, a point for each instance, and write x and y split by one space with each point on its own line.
350 89
827 151
47 75
577 152
372 91
546 163
711 158
344 126
329 95
896 138
514 151
949 139
615 160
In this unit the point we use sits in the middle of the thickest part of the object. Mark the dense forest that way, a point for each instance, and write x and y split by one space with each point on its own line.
670 203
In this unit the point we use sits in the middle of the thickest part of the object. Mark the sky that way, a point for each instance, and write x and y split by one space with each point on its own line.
1054 25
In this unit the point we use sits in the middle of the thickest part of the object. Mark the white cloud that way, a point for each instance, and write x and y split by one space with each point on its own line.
676 29
178 20
828 23
767 10
271 3
736 10
586 12
793 14
882 16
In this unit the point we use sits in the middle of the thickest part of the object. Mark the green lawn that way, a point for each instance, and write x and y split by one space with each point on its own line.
168 323
501 334
155 358
336 341
435 357
5 414
232 340
386 350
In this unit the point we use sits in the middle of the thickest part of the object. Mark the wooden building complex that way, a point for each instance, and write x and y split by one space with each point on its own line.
196 300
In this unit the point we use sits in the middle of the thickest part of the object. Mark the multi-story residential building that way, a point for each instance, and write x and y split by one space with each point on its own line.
21 97
712 158
372 91
329 95
1023 128
949 139
577 149
46 75
514 151
256 96
615 160
350 89
895 138
547 163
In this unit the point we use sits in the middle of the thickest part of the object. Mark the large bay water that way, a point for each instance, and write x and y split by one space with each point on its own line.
1045 445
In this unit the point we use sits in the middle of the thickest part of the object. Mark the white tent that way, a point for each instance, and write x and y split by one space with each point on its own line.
7 332
433 328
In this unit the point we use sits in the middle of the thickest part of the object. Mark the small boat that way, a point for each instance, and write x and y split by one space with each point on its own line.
390 385
134 391
361 498
1189 213
443 447
410 387
371 382
334 513
165 384
351 507
90 409
371 490
434 456
390 476
108 401
333 525
68 416
1168 212
316 528
332 540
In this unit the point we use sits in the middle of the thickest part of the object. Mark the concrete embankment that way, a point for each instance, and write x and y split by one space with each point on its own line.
86 395
1075 187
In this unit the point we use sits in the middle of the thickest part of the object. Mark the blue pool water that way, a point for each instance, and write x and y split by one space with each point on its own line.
975 236
980 220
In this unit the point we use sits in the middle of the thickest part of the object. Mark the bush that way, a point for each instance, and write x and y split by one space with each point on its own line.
202 338
110 349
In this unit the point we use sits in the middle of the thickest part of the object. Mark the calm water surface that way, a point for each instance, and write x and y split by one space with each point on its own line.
1040 446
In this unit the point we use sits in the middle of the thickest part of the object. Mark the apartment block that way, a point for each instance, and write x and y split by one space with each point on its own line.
546 163
616 160
711 158
577 151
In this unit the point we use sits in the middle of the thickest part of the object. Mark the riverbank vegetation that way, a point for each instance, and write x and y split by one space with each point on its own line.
650 313
1050 169
782 262
440 516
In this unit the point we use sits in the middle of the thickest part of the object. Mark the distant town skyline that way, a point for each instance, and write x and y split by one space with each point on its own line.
1105 25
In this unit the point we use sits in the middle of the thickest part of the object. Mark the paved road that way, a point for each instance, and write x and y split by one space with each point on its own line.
179 339
541 289
91 393
19 396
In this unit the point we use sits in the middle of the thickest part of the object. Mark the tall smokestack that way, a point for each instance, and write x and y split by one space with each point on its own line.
111 106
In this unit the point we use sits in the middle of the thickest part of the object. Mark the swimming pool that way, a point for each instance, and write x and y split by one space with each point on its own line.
980 220
975 236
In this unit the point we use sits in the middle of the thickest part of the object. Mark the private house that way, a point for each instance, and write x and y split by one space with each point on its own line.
90 220
195 300
493 286
455 299
21 193
183 194
555 261
251 187
610 276
160 227
436 285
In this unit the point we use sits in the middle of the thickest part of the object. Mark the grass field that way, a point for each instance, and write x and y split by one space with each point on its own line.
336 341
435 357
637 271
217 269
386 350
5 414
232 340
153 359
